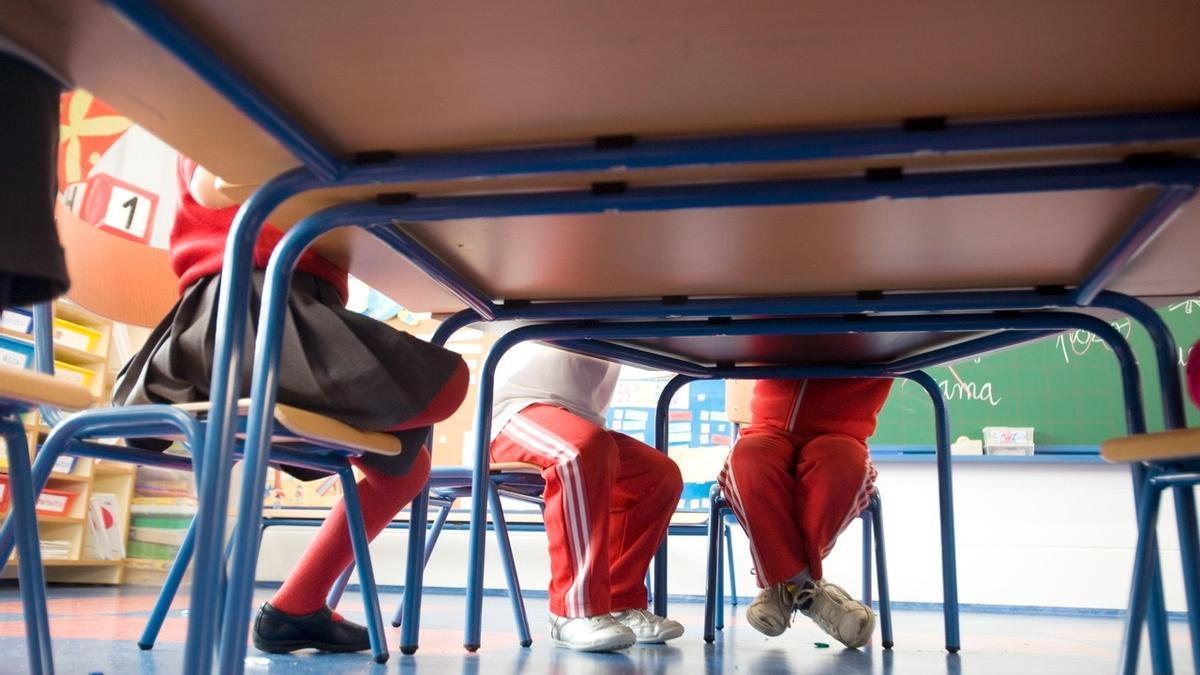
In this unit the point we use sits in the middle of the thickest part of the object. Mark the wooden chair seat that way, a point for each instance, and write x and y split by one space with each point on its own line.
1162 445
34 388
514 467
296 425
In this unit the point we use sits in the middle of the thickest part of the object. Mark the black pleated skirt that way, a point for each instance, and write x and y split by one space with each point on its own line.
334 362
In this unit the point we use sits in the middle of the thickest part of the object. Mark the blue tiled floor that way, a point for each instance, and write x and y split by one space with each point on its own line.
95 630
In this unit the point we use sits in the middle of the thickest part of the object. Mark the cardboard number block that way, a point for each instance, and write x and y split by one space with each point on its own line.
119 207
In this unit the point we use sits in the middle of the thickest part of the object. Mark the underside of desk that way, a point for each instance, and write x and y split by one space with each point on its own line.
428 77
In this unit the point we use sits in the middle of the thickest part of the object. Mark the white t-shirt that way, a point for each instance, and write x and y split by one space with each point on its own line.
535 373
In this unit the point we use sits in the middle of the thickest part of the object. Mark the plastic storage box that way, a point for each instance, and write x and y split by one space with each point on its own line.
1008 440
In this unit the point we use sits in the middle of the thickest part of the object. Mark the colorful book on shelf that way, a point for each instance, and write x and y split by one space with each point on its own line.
164 505
110 519
93 547
168 536
98 547
55 549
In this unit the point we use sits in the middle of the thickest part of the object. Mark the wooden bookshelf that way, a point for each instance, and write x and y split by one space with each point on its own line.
86 476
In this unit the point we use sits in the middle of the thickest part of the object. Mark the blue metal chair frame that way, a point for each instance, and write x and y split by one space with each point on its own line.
144 421
23 518
448 484
718 530
323 168
1182 476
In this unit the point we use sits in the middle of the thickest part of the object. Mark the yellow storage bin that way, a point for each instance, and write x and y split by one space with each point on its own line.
73 335
74 374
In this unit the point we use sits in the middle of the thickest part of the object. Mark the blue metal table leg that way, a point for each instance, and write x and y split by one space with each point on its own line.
713 566
946 509
662 442
1189 548
480 480
29 565
418 550
520 618
362 557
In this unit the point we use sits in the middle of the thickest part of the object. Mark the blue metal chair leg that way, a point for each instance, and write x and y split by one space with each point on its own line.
431 540
414 571
362 556
170 587
339 587
1189 549
1155 616
1143 576
733 594
710 586
510 568
29 566
881 573
162 606
866 517
719 596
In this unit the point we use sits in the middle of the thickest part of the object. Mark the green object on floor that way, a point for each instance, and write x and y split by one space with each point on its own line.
821 645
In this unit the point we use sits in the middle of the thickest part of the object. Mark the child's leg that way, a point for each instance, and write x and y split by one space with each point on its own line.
647 490
834 483
580 464
444 404
382 496
759 482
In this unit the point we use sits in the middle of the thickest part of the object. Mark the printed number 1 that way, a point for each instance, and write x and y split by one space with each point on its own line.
131 204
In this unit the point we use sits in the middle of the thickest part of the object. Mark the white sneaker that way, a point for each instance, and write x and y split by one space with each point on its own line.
647 626
845 619
590 634
771 612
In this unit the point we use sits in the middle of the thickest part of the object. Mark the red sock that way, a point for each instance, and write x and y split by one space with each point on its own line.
382 497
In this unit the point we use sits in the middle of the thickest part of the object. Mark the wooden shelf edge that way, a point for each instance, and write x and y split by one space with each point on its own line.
62 352
113 468
76 563
69 478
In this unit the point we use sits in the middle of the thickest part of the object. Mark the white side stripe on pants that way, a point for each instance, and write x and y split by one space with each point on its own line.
733 495
541 441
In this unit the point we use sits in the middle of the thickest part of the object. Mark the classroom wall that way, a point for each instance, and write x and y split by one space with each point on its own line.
1039 535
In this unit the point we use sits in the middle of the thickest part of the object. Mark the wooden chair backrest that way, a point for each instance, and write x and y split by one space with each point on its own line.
117 278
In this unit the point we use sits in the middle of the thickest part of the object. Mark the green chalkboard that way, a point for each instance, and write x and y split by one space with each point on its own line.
1067 387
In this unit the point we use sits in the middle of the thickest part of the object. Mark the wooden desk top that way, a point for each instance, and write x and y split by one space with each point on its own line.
429 76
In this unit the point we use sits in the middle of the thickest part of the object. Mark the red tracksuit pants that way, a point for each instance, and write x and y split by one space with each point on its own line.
800 472
609 499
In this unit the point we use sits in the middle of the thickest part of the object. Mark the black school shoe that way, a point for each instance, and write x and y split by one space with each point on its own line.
279 633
